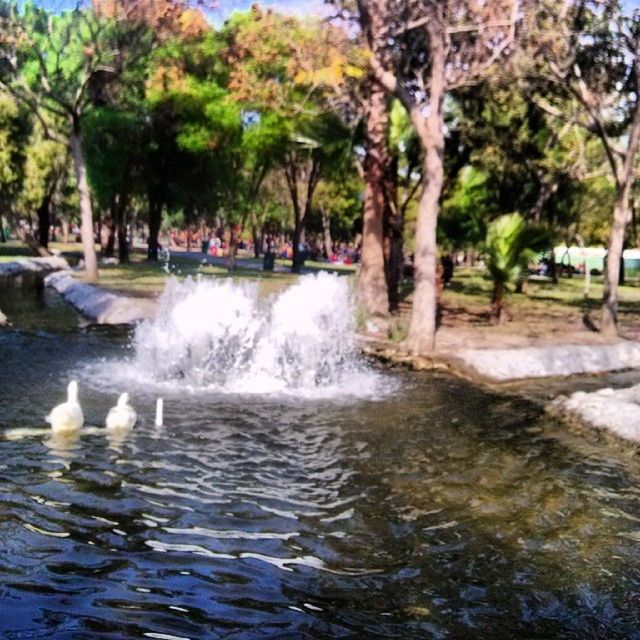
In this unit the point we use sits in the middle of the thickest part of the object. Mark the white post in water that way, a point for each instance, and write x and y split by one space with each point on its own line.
159 412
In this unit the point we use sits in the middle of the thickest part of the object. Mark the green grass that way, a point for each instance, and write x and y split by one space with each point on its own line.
13 249
12 258
471 289
314 265
140 277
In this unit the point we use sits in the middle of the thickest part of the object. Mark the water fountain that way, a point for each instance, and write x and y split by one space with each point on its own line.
222 335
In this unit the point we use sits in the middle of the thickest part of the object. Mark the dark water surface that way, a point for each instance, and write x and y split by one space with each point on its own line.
443 512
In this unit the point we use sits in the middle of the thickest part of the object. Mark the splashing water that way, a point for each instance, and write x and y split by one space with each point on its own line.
219 334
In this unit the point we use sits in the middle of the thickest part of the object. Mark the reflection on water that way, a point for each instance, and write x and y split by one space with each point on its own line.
442 512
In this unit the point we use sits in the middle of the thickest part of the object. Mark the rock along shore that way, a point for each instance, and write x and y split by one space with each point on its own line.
614 411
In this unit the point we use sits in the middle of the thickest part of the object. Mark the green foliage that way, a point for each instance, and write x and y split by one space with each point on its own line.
341 200
13 134
45 166
463 220
509 247
113 149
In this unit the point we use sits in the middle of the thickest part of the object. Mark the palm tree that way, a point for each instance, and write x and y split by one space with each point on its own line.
510 246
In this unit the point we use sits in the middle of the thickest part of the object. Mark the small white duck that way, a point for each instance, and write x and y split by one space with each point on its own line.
68 416
122 416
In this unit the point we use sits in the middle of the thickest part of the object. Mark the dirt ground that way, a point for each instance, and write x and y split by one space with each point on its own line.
544 314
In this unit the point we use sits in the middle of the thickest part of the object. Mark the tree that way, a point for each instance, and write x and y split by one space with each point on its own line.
281 69
510 246
372 282
590 51
435 48
58 64
45 168
115 155
13 127
337 207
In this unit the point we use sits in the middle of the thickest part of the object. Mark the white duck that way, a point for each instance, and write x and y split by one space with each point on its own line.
122 416
67 417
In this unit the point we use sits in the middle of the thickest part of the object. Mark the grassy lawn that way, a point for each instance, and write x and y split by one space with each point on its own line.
312 265
13 249
473 287
148 279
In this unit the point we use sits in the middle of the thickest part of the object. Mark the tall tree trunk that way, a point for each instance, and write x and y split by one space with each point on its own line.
394 225
155 220
301 210
44 221
123 242
108 232
256 235
233 248
3 235
612 266
372 283
621 216
65 231
291 175
553 267
326 234
422 330
86 211
298 240
111 240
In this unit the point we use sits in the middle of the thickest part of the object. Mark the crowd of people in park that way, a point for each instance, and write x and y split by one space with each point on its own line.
217 243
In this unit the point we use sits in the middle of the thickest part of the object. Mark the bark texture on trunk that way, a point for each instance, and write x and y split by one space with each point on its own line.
233 248
422 330
621 217
155 220
394 227
373 292
372 283
86 211
123 242
3 237
257 235
44 221
327 242
612 267
307 173
498 308
108 234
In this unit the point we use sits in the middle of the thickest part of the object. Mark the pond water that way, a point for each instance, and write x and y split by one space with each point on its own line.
440 511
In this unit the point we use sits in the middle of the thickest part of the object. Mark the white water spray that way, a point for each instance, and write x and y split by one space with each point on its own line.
220 335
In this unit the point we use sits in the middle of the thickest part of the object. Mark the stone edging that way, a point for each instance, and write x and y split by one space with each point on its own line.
516 363
103 307
502 365
34 265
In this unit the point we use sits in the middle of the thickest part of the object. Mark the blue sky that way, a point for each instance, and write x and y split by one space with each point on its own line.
298 7
226 7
